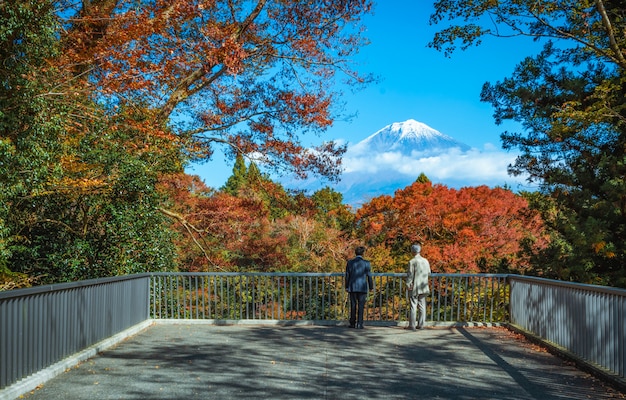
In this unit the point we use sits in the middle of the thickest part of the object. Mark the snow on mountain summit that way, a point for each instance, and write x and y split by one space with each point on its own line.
409 136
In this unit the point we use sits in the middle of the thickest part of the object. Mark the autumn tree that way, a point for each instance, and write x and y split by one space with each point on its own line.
100 99
261 227
470 230
253 76
569 100
96 216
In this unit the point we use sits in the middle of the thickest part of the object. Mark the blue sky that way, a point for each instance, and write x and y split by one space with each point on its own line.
417 82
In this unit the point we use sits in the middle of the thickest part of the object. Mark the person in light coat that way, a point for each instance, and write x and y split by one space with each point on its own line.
417 276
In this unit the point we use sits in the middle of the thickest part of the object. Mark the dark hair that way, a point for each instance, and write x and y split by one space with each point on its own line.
359 251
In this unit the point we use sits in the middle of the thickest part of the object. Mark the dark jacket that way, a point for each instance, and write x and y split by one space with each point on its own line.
359 275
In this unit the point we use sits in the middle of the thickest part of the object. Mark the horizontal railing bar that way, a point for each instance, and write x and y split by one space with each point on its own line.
8 294
571 285
315 274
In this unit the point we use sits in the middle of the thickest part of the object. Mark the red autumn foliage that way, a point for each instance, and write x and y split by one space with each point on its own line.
470 230
252 76
220 231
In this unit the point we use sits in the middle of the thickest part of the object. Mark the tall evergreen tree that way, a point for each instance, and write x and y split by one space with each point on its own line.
570 101
29 131
239 177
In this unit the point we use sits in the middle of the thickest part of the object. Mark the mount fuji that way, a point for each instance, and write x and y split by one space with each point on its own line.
391 159
407 138
394 156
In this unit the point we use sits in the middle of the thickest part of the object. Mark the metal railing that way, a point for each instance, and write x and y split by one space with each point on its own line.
43 325
587 321
321 297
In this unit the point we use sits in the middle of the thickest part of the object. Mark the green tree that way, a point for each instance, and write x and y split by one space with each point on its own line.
422 178
569 100
99 216
26 41
238 178
327 200
29 129
331 210
77 184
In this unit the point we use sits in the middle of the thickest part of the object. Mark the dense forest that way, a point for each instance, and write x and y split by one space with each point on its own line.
104 102
252 223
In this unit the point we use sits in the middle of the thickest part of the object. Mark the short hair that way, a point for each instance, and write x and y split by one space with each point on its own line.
359 251
416 248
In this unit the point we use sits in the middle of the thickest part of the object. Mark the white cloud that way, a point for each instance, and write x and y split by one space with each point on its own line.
487 166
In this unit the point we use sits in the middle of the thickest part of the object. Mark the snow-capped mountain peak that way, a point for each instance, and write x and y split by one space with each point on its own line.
408 136
411 129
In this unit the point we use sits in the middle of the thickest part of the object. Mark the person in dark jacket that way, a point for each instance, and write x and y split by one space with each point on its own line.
358 283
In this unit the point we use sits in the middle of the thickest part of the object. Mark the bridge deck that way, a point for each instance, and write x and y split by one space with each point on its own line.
170 361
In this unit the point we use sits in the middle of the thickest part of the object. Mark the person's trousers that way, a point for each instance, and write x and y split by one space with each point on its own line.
418 303
357 305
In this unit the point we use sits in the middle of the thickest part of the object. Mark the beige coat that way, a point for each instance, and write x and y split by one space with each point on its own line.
417 275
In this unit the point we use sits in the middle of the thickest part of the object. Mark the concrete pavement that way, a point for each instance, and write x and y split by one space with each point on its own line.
196 361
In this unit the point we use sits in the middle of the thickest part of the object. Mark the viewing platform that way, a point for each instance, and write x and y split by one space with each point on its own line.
277 335
257 361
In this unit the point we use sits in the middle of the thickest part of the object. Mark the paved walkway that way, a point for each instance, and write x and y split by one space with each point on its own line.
323 362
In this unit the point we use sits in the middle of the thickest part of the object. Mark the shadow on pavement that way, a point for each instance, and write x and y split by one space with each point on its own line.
322 362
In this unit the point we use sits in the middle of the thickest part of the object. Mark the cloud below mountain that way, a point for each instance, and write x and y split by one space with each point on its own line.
394 156
487 166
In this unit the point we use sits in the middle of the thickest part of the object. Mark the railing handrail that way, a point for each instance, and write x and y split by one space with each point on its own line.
40 327
571 285
8 294
587 321
252 273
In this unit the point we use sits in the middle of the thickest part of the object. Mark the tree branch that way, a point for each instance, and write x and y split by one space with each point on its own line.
184 89
621 61
190 229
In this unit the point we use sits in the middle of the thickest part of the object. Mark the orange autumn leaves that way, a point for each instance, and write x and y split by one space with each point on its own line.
473 229
246 76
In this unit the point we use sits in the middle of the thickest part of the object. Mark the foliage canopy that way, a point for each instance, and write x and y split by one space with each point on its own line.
253 76
103 102
569 100
102 99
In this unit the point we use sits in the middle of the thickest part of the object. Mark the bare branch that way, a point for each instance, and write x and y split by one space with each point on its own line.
619 56
190 229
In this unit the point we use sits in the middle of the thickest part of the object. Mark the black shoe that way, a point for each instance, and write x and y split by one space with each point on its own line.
410 328
352 326
359 326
